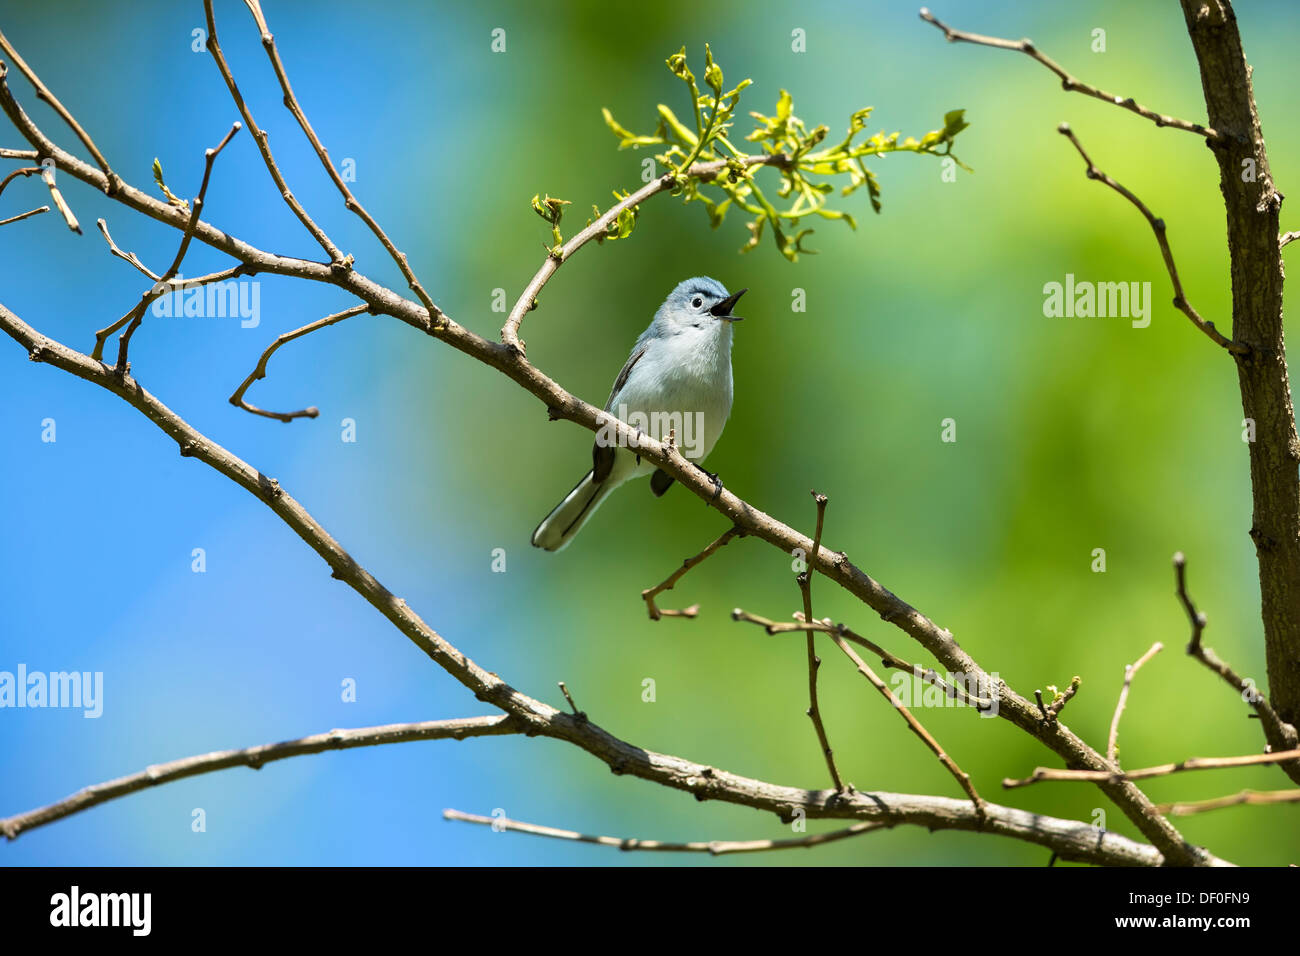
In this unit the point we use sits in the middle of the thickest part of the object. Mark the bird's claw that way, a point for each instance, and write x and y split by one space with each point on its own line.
717 484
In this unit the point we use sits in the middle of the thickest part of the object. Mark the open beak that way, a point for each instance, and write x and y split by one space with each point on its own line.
723 309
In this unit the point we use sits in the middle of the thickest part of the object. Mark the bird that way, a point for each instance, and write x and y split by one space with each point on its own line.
677 376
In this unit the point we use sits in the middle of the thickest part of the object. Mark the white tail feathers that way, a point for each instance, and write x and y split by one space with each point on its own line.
560 526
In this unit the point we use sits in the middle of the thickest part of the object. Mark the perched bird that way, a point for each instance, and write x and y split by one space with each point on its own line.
678 376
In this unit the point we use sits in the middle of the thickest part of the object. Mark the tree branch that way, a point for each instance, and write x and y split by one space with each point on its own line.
712 847
1130 671
1162 770
260 137
237 399
815 662
1255 797
351 201
43 93
1279 734
1068 82
649 594
1157 227
1071 840
255 757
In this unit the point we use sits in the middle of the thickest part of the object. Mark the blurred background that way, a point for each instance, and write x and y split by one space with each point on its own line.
1072 433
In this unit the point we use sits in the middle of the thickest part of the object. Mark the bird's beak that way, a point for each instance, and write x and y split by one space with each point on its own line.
723 309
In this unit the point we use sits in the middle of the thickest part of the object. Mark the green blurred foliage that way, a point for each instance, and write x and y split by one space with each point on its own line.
1072 434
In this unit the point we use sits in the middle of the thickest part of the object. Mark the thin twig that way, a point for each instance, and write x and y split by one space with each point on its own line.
1287 238
815 662
61 204
649 594
713 847
962 778
237 399
1041 774
1252 797
255 757
130 257
1068 82
196 208
1280 734
1157 227
43 93
564 689
1130 671
158 290
291 102
24 171
929 675
26 215
527 301
260 137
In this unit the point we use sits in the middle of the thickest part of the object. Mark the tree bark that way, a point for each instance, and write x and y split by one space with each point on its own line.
1252 205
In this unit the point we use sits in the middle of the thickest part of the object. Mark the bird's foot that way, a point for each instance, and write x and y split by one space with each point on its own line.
717 484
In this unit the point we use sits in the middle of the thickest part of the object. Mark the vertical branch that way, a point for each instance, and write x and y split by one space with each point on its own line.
815 662
260 137
196 208
1252 205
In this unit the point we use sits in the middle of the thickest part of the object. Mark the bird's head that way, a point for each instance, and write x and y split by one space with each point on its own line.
699 303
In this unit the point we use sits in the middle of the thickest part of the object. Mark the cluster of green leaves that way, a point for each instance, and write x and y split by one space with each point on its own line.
805 163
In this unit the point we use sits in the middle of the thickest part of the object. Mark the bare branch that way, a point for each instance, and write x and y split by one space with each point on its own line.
158 290
599 227
713 847
1287 238
927 674
1068 82
43 93
1279 734
1253 797
962 778
25 215
259 372
255 757
1069 839
291 102
563 405
130 257
815 662
196 209
260 137
1163 770
1157 227
649 594
1130 671
61 204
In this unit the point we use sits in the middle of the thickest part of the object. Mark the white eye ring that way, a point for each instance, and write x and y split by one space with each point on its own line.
696 302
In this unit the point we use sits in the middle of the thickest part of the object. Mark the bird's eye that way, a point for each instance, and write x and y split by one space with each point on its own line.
696 302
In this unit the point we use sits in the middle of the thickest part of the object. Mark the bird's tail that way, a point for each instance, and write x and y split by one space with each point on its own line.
567 518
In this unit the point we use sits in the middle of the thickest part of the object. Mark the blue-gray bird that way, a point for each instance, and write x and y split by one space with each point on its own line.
678 376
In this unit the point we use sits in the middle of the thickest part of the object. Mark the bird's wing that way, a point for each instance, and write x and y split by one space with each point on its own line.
619 382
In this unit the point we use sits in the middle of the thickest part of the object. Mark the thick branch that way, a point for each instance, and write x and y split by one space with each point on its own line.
1252 205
